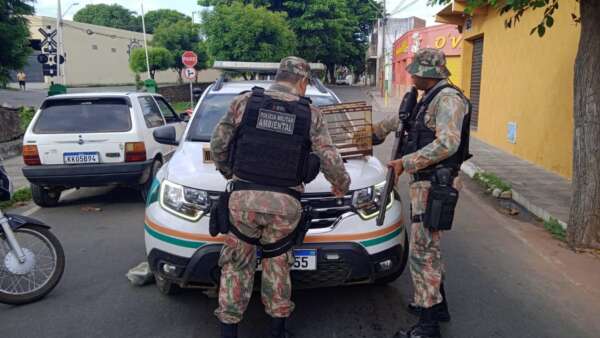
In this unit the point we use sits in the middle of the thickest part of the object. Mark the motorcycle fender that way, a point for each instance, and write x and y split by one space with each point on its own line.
17 221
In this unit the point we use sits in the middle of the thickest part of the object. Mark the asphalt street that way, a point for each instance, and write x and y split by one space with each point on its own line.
498 284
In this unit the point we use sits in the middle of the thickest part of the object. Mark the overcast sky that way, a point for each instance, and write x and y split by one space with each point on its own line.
48 7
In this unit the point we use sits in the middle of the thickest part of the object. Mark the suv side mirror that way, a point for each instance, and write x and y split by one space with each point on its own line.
165 135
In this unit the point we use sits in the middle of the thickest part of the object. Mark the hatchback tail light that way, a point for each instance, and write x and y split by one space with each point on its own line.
31 156
135 152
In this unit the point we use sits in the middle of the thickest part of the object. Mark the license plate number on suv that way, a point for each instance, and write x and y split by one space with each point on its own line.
81 158
305 259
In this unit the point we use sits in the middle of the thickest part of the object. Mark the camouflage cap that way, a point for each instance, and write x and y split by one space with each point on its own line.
429 63
295 65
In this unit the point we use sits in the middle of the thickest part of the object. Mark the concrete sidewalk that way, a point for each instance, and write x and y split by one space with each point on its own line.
543 193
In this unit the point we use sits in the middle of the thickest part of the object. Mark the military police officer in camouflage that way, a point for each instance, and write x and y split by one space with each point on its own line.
435 140
267 143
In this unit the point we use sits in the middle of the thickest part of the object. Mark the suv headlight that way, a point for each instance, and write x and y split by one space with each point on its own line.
367 201
188 203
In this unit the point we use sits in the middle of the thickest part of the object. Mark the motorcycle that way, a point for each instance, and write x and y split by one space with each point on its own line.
32 259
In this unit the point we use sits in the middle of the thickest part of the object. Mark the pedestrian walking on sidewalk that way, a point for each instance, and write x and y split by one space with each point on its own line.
22 79
264 144
436 142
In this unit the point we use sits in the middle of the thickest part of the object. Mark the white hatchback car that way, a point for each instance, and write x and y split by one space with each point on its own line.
343 246
96 139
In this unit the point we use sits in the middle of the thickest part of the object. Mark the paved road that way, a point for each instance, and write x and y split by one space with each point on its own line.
498 285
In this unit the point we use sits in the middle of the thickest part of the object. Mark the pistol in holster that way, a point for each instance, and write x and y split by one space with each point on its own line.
219 215
442 200
304 224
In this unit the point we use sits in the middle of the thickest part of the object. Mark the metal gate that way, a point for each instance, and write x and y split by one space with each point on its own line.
476 65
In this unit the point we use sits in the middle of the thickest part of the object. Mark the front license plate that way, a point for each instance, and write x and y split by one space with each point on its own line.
81 158
304 259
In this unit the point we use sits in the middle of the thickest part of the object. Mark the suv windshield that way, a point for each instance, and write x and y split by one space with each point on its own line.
213 108
85 115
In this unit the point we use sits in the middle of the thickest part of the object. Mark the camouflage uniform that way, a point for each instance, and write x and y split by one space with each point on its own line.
445 115
269 216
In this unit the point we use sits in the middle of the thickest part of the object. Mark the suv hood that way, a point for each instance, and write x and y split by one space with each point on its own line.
187 167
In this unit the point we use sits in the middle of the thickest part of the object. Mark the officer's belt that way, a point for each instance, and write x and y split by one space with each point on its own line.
244 185
427 175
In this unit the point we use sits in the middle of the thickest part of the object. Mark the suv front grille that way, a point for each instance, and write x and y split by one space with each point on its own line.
326 208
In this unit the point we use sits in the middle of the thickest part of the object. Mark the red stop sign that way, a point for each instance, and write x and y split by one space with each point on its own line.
189 59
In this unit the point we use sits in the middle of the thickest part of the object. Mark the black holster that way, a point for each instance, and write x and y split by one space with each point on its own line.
303 225
219 215
441 202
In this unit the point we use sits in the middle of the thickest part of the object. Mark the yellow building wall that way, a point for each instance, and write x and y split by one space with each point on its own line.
454 65
527 80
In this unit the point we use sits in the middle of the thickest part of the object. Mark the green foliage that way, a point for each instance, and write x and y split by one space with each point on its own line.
25 116
14 36
178 37
180 107
334 32
20 196
247 33
516 8
163 17
556 229
114 15
491 181
160 59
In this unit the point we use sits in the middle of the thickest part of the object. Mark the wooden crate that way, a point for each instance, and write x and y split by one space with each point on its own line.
350 125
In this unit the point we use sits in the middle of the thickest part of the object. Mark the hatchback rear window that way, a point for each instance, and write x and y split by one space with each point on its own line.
65 116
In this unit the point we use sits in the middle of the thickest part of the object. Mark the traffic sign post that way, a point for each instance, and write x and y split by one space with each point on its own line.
189 59
190 74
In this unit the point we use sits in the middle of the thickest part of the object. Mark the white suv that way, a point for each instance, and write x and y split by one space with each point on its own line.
343 246
96 139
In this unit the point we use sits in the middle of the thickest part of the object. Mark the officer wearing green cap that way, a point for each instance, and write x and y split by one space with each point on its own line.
435 143
267 144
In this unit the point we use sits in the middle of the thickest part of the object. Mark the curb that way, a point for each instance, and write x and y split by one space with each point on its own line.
470 169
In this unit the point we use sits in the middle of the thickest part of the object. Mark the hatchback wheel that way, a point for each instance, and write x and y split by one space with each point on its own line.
145 188
45 197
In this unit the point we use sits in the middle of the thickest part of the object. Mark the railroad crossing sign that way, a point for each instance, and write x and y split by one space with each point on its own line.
188 73
48 39
189 59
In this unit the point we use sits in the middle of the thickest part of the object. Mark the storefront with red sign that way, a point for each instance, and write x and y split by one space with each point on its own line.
443 37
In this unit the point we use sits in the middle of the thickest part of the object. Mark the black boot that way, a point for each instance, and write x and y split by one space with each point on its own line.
229 330
427 327
442 314
278 328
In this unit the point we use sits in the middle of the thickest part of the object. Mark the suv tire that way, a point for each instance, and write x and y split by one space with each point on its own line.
44 197
145 188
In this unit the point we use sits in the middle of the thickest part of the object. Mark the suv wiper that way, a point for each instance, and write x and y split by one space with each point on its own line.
198 139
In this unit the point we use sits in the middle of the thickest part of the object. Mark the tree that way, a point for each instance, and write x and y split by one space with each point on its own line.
583 229
334 32
114 16
247 33
14 36
178 37
163 17
160 59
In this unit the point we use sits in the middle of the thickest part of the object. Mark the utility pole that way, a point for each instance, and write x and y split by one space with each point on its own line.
145 40
383 45
58 40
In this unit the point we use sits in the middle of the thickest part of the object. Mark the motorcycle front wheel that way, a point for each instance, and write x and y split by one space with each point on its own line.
44 264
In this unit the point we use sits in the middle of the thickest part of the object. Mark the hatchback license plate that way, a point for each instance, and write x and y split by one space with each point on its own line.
304 259
81 158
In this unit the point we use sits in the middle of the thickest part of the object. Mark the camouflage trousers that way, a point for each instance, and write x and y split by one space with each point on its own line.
425 259
270 217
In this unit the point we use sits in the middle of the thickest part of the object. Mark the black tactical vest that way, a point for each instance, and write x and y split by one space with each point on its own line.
272 144
418 135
